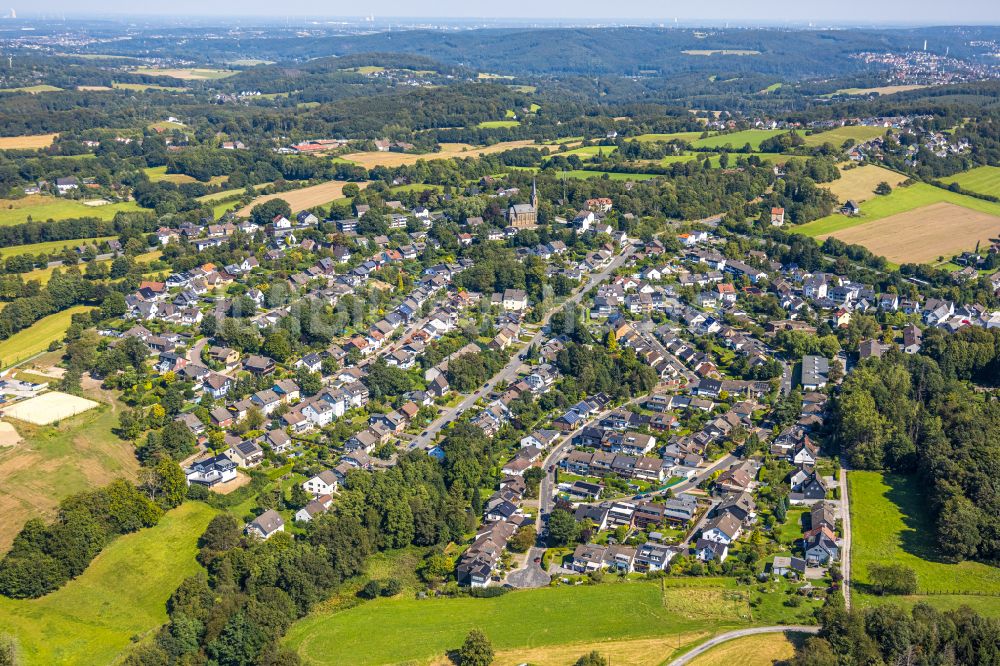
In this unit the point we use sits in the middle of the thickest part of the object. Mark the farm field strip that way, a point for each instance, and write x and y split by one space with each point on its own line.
859 183
448 151
36 338
837 136
49 247
306 197
984 180
42 208
27 142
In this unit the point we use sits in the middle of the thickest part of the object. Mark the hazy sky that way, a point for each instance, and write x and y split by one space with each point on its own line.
854 12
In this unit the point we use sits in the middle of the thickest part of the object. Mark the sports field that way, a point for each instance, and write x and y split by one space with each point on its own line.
48 408
42 208
54 461
860 182
37 337
983 180
737 139
837 136
370 160
306 197
27 142
890 523
901 200
922 235
121 597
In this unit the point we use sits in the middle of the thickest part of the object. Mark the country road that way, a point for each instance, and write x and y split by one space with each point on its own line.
740 633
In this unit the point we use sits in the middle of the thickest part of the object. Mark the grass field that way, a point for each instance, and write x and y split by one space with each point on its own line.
984 180
37 337
448 150
42 208
494 124
709 52
143 87
123 594
737 139
676 136
901 200
51 246
194 74
158 174
27 142
759 650
890 524
584 174
560 620
34 90
78 453
43 275
837 136
859 183
306 197
587 152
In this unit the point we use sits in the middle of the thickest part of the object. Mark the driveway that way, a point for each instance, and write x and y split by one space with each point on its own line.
532 574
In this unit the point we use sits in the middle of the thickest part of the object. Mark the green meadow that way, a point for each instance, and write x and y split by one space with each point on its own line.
983 180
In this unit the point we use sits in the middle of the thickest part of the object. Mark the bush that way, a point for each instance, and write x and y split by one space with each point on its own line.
391 588
371 590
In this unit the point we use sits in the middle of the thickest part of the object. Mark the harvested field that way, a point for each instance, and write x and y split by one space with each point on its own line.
49 408
94 88
759 650
8 435
881 90
859 183
448 150
837 136
306 197
922 235
194 74
27 142
641 652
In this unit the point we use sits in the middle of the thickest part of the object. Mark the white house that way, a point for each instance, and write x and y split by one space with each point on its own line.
324 483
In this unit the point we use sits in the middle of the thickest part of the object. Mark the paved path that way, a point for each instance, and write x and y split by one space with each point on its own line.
740 633
845 546
531 573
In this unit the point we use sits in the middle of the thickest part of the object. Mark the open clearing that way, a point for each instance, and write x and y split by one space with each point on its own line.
42 208
418 630
34 90
922 235
370 160
901 200
495 124
737 139
194 74
52 246
675 136
984 180
759 650
121 595
890 524
144 87
52 462
48 408
157 174
306 197
881 90
837 136
8 435
36 338
27 142
859 183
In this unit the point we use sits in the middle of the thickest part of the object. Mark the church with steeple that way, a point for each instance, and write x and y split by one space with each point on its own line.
524 216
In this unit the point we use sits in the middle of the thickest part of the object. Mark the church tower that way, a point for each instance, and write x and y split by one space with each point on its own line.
534 194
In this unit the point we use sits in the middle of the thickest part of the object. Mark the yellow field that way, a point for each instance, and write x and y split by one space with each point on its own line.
859 183
922 235
881 90
760 650
370 160
193 74
307 197
158 174
641 652
28 142
94 88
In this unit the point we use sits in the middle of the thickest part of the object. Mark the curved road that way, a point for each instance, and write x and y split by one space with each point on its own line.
740 633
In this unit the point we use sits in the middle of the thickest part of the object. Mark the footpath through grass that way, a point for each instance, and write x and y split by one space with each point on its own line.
418 630
890 524
901 200
121 595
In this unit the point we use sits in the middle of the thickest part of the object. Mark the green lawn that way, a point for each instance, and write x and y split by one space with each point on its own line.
416 630
837 136
123 594
494 124
43 208
51 246
901 200
889 523
584 174
36 338
984 180
737 139
33 89
681 136
586 152
144 87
